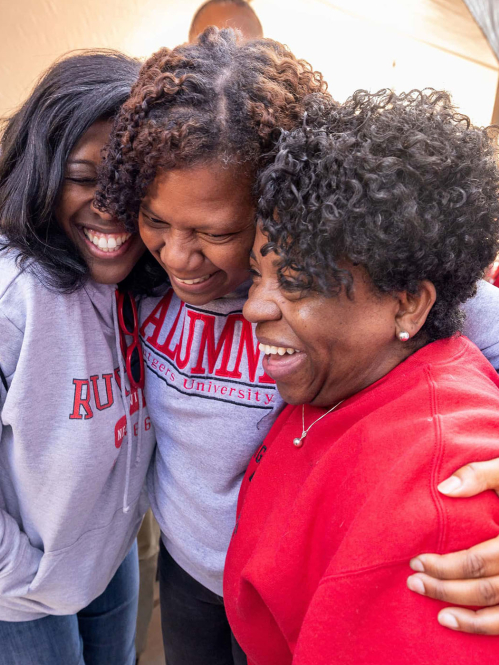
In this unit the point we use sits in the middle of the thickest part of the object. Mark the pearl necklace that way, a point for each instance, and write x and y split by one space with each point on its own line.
298 442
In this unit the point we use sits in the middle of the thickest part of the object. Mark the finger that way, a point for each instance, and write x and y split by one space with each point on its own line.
482 593
478 561
482 622
472 479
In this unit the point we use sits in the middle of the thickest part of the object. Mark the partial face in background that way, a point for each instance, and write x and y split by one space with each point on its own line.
227 15
108 249
198 223
337 346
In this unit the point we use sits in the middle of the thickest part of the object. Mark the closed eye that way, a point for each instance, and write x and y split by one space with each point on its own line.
82 181
153 220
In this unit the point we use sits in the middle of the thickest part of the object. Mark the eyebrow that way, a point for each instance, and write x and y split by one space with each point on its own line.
150 212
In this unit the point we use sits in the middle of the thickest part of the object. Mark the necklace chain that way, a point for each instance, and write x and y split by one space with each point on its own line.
298 442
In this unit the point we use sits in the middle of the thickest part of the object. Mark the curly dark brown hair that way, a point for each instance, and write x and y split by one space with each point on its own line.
216 99
400 184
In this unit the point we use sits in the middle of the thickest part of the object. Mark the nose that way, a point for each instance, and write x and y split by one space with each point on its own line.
103 214
262 304
180 254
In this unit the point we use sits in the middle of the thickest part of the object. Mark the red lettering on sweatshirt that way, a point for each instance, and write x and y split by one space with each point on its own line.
87 396
210 351
120 429
81 401
109 392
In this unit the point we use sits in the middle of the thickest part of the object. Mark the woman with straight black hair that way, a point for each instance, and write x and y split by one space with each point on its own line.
75 438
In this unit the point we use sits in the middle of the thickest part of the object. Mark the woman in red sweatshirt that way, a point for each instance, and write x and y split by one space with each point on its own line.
378 217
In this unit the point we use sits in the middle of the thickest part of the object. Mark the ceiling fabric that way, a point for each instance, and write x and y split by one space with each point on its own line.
486 14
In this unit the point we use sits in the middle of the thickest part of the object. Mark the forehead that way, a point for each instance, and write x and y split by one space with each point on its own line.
201 195
92 141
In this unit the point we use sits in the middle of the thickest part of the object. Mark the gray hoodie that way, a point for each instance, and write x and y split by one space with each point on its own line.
74 447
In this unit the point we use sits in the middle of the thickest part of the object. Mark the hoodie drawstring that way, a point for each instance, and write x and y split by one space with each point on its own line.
140 397
126 405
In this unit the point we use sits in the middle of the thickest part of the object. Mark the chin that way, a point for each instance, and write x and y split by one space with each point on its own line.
290 396
110 275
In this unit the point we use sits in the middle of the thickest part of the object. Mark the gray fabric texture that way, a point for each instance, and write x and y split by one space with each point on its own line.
213 407
486 14
482 321
66 519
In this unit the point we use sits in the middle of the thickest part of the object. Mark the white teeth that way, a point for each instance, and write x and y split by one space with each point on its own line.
268 350
194 281
106 242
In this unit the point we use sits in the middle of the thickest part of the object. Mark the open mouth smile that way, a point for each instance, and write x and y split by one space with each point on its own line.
106 245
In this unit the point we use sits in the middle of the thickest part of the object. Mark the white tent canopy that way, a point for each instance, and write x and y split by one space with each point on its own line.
486 13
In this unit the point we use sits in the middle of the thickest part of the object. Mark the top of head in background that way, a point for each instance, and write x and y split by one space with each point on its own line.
235 14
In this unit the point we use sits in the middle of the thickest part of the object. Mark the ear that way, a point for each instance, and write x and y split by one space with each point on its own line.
414 308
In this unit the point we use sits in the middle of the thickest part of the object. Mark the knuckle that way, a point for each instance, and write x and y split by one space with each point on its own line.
475 469
476 626
438 592
487 593
480 476
474 565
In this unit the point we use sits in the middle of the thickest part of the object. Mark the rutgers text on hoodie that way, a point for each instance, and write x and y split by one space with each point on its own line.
74 447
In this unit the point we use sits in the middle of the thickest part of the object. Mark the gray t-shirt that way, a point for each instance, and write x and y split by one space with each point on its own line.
213 405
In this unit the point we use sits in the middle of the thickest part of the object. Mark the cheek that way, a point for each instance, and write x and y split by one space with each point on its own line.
239 255
152 239
232 258
72 199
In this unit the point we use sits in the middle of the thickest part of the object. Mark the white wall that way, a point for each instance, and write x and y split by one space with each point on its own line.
356 43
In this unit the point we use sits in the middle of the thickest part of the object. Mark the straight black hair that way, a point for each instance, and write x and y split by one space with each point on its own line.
71 95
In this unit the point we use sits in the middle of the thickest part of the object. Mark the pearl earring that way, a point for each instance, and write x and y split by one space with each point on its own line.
403 336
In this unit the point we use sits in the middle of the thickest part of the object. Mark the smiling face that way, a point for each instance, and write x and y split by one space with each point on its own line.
199 224
108 249
332 347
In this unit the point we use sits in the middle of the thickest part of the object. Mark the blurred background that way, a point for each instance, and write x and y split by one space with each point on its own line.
370 44
356 43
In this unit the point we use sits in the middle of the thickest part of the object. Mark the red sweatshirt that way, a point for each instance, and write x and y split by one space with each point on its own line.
317 568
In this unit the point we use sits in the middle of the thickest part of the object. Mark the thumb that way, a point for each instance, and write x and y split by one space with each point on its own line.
472 479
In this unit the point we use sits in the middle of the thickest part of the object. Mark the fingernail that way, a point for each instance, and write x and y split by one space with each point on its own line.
416 565
416 584
450 485
448 620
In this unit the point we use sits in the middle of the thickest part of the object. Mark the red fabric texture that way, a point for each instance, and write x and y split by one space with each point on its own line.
317 568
